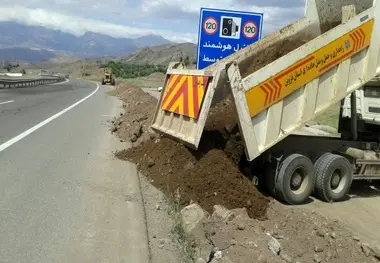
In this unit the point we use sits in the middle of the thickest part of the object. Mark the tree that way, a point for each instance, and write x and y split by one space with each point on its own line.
23 71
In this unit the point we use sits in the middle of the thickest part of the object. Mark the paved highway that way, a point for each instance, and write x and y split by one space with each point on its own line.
63 196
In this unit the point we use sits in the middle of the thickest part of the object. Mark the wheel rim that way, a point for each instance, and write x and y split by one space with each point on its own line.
299 181
338 181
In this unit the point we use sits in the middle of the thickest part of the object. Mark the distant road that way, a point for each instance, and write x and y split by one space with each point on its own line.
63 195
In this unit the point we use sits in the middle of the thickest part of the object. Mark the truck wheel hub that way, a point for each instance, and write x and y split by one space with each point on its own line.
335 180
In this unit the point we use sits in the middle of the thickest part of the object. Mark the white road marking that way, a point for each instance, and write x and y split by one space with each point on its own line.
43 123
67 80
6 102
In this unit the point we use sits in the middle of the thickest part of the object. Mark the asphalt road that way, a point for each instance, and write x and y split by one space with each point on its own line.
63 195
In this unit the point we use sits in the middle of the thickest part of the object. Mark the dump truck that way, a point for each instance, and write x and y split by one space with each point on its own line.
109 77
279 84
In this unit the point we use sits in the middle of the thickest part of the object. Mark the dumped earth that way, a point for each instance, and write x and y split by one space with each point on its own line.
231 236
208 176
272 53
224 217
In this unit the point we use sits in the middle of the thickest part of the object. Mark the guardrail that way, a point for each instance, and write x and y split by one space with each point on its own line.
9 82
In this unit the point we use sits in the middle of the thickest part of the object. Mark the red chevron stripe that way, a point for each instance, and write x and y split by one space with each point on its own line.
266 95
168 91
181 91
271 92
359 38
356 40
195 95
278 89
186 97
353 40
363 34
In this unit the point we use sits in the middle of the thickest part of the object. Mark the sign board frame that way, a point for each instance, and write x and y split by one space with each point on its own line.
223 32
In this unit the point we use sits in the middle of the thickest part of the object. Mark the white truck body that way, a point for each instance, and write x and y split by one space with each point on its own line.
278 99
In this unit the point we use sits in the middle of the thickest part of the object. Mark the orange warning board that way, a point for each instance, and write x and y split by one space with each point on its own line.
184 94
304 71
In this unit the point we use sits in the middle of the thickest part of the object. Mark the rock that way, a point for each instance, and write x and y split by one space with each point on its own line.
218 254
321 233
240 213
133 138
286 258
114 129
233 242
221 212
158 207
241 227
200 260
191 216
376 253
137 130
150 162
120 123
152 136
356 238
162 241
317 258
274 246
333 235
318 249
366 249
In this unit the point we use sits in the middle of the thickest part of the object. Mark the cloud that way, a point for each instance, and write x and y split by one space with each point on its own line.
176 20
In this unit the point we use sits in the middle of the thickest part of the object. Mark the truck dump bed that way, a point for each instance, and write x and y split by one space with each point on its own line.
282 81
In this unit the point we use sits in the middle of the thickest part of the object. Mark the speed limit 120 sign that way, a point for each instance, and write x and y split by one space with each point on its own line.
250 29
210 26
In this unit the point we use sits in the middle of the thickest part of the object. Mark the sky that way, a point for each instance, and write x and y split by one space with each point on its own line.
176 20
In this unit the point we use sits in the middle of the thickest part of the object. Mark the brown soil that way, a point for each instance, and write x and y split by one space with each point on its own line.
272 53
133 125
173 167
304 236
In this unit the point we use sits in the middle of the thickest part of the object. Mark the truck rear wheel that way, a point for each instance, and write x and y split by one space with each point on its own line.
334 177
295 179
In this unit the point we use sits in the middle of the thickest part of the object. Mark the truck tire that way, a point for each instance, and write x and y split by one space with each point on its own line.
295 180
334 177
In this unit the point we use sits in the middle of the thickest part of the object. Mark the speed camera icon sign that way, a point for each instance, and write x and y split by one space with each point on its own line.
250 29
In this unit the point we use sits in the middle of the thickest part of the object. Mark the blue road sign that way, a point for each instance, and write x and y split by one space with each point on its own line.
223 32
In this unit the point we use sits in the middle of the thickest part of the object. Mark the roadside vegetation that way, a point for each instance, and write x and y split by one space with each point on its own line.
124 70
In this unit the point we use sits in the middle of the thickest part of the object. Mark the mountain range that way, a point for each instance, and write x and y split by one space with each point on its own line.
36 43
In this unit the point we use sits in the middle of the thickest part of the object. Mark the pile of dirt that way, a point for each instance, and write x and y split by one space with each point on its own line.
213 179
208 176
288 235
133 125
272 53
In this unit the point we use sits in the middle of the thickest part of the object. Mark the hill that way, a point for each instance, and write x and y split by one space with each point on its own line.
25 54
162 55
89 45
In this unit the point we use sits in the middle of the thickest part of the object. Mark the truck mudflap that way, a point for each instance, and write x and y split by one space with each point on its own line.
185 101
281 97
